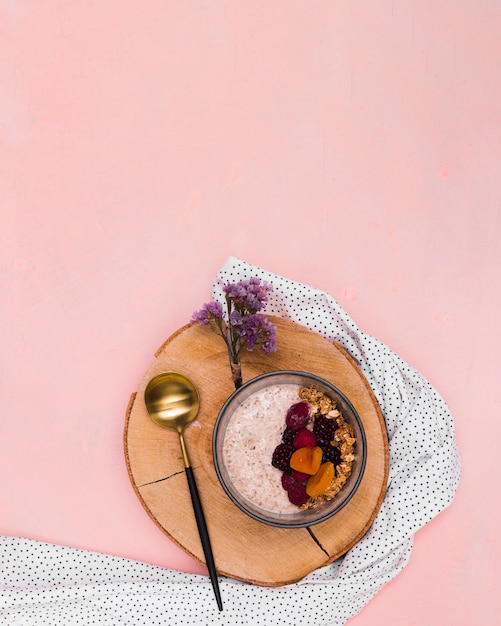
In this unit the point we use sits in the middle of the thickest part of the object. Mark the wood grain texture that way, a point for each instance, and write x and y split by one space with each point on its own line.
244 548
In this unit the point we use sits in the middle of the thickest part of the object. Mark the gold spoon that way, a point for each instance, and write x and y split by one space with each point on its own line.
172 401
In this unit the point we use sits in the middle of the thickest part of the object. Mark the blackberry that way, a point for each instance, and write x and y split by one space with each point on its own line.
282 455
324 427
288 435
330 453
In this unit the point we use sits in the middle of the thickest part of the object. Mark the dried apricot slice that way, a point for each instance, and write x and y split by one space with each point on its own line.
307 460
318 483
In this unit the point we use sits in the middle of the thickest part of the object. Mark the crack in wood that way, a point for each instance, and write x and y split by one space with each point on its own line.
317 541
160 479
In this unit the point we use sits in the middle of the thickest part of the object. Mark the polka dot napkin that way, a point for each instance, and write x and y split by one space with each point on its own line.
44 584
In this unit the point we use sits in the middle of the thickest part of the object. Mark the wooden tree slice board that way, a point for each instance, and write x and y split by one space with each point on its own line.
243 548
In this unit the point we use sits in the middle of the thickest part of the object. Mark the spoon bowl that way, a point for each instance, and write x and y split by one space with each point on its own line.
173 401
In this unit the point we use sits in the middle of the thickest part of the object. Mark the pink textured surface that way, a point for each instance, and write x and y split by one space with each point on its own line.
352 146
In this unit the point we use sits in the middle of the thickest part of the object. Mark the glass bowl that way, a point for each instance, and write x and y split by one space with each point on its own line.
248 428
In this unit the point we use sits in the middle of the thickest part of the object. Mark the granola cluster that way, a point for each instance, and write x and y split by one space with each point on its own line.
344 440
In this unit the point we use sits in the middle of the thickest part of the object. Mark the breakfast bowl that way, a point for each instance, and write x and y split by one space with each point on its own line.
289 449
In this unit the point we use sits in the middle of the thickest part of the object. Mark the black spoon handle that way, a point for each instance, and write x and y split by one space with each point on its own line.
204 534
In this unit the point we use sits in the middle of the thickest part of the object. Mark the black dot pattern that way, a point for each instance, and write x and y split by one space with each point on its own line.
44 584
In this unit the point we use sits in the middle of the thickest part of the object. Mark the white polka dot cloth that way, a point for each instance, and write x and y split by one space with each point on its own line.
45 584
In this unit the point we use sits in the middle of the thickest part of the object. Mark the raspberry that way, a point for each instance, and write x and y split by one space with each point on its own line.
282 455
299 477
288 435
298 416
287 480
297 494
304 438
324 428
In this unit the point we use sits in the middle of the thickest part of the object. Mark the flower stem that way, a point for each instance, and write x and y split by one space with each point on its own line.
233 354
236 372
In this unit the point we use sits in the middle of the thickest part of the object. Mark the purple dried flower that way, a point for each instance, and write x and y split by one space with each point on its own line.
235 291
236 320
215 309
209 310
243 326
269 334
254 330
248 295
248 330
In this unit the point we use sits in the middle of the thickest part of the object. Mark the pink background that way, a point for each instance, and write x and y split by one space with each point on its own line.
354 146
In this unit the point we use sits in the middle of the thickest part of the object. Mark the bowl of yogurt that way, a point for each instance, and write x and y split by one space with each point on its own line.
289 449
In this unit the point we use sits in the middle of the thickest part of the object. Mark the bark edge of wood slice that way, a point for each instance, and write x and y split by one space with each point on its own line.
243 548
